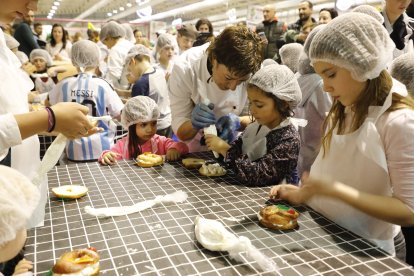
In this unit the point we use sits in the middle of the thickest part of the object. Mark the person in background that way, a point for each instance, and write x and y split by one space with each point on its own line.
93 92
410 9
19 198
399 25
129 33
305 18
77 37
166 50
289 54
326 15
314 106
209 82
371 11
24 34
112 35
267 151
138 36
204 25
140 116
186 36
59 47
44 77
273 30
150 82
362 178
402 69
38 30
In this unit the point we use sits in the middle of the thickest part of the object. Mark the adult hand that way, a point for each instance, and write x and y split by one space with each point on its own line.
202 116
71 120
227 127
172 155
109 158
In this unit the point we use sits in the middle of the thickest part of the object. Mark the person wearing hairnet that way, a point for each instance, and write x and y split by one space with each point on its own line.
370 10
44 79
402 69
113 36
19 198
399 25
19 144
166 50
362 178
314 106
289 54
140 116
208 86
267 151
93 92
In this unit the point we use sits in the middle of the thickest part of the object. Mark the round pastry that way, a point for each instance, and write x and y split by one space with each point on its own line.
70 191
212 170
280 217
193 163
148 159
77 262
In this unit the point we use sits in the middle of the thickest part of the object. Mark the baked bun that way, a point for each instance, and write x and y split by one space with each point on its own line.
77 262
280 217
148 159
70 191
193 163
212 170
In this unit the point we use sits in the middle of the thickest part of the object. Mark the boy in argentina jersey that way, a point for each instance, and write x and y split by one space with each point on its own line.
93 92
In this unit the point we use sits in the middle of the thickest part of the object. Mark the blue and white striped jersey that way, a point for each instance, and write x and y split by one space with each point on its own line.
99 96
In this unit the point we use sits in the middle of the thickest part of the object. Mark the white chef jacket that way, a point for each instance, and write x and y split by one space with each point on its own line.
409 47
188 86
14 87
65 53
116 66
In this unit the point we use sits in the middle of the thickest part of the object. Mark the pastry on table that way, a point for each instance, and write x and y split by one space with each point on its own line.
148 159
279 217
212 170
193 163
82 262
70 191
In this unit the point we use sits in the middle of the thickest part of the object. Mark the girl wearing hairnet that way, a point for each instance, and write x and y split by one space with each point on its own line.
363 176
267 151
43 79
140 116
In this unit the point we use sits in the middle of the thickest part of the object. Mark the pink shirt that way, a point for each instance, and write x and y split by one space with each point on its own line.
157 144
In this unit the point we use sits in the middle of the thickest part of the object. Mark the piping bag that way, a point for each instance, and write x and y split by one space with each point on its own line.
176 197
54 152
212 235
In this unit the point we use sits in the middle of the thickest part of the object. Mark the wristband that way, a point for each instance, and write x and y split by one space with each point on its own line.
51 119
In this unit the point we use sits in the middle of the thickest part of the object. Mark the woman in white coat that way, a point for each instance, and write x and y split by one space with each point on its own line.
209 82
363 176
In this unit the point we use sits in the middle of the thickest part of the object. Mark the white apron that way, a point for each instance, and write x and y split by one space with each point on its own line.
15 86
358 160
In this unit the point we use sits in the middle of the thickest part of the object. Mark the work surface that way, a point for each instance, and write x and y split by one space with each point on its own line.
161 240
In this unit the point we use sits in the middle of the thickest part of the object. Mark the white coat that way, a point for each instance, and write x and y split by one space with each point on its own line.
189 86
116 67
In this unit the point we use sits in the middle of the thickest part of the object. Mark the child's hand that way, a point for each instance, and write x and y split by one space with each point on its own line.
173 155
23 266
109 158
216 144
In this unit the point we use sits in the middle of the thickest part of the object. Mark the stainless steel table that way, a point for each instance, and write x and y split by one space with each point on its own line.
161 241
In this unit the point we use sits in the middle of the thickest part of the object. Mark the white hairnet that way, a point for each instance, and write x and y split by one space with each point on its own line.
289 54
280 81
268 62
166 40
19 197
402 69
139 109
304 64
111 29
136 50
43 54
11 42
356 42
85 53
129 33
370 10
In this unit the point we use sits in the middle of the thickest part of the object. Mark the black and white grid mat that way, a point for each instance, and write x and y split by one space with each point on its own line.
161 240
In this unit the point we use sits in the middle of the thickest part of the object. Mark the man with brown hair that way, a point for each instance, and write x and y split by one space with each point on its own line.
294 33
186 36
208 85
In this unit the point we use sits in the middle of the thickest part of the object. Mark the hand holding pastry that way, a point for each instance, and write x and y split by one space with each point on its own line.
217 144
173 154
109 158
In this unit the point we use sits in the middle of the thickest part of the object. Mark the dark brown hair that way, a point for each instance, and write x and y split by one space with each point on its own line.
204 21
52 39
239 49
134 148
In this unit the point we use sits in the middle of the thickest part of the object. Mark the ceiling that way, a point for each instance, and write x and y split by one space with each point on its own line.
77 12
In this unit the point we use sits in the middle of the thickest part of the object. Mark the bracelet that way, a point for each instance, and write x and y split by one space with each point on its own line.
51 119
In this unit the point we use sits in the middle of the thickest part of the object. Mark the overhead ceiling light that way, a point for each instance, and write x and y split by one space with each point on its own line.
52 11
54 8
121 8
109 14
129 5
115 11
49 17
344 5
144 12
56 3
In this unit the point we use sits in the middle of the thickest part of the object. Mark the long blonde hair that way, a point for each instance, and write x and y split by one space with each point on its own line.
375 94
